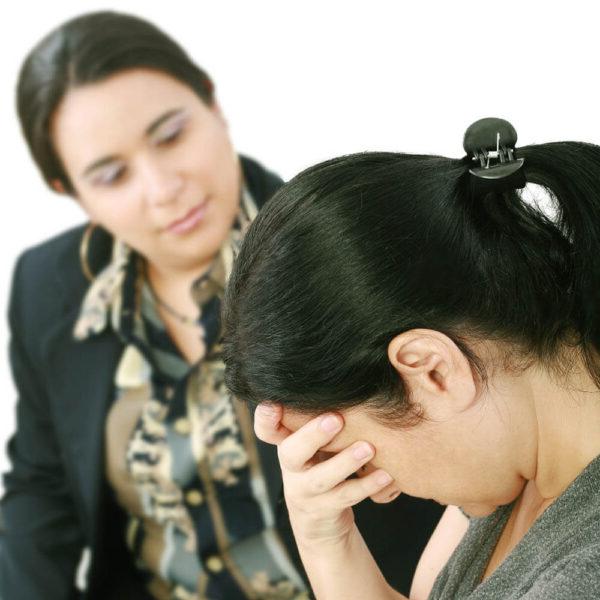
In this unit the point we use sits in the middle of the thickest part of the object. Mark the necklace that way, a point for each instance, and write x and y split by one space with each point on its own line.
158 301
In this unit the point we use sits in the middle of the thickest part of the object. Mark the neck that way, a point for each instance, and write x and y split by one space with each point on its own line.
567 429
557 435
174 285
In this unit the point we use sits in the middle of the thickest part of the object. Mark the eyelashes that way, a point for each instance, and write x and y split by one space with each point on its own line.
109 175
169 137
169 134
171 131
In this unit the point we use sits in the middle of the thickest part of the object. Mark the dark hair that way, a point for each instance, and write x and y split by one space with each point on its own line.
359 249
84 50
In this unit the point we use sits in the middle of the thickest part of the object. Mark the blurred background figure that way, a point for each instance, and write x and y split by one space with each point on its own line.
127 441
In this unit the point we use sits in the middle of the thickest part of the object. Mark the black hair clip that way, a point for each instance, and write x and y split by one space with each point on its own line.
491 143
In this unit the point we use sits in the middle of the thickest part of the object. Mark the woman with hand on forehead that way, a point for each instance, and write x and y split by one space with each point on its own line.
127 441
439 338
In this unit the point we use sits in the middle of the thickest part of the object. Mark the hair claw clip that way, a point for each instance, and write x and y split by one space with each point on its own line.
491 142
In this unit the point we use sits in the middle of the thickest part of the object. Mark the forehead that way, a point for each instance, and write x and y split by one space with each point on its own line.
100 117
293 420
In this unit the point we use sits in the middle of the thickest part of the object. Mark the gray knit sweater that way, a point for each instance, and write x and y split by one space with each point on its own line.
557 559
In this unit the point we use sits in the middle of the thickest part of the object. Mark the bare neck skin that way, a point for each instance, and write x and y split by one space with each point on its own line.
566 428
174 287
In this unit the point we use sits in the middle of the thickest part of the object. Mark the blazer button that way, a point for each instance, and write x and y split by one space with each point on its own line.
182 426
214 564
194 497
180 592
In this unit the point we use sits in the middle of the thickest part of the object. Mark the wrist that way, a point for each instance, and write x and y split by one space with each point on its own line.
344 568
338 541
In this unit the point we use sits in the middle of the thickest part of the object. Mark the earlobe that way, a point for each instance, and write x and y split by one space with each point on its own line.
57 186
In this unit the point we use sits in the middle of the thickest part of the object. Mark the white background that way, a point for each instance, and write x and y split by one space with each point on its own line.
304 81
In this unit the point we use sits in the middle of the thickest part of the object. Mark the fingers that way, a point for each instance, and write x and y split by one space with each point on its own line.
353 491
328 474
327 480
387 494
267 423
297 450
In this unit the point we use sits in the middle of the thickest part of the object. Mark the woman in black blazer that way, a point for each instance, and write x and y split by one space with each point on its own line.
127 443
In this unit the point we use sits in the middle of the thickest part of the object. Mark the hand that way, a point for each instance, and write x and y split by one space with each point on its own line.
318 493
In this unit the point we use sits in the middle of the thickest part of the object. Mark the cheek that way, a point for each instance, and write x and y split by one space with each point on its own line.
417 468
125 220
218 174
118 212
209 152
388 494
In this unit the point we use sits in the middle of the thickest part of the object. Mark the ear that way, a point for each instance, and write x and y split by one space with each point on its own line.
218 112
57 186
436 373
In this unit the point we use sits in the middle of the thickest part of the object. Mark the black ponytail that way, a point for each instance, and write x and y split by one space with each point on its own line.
358 249
570 172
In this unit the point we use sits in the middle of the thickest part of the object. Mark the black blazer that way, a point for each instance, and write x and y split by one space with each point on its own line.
56 498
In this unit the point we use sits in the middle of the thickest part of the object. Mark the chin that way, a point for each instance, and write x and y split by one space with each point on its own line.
477 511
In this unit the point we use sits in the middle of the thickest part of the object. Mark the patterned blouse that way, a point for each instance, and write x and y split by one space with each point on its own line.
180 451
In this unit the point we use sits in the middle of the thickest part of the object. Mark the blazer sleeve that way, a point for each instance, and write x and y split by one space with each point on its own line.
42 541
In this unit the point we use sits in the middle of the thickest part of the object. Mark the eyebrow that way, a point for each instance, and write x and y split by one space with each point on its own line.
149 131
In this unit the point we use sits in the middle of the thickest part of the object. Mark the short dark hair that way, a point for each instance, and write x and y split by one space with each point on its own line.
84 50
359 249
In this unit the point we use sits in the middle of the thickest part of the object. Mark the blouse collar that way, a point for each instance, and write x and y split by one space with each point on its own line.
103 301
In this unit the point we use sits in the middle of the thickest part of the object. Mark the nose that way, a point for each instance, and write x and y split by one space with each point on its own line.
161 184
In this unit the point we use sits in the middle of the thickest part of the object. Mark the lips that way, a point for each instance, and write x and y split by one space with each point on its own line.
189 221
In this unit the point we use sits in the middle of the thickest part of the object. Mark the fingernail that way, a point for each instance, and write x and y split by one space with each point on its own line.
383 478
362 451
331 423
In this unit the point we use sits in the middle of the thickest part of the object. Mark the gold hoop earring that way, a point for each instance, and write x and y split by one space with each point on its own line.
84 246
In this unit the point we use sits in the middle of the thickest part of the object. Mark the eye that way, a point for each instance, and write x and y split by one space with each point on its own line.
109 175
171 131
167 139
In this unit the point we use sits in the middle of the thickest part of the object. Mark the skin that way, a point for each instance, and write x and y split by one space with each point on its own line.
142 150
525 436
